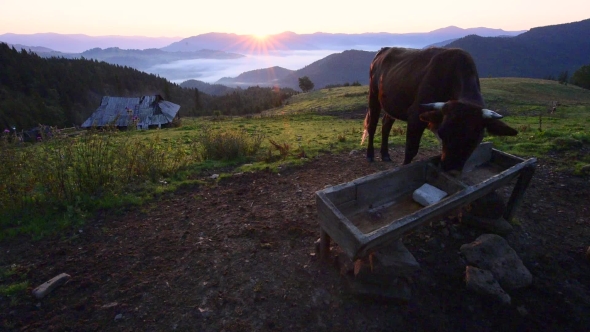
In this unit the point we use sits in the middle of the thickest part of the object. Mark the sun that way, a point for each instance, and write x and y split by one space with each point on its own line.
260 36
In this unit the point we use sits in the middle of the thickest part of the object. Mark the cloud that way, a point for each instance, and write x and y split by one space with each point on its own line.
211 70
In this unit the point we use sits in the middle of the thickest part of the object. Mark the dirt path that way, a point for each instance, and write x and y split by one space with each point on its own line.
239 256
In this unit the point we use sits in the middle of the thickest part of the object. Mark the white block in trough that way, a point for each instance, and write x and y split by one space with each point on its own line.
428 194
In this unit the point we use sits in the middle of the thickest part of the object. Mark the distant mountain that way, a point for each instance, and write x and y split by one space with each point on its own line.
538 53
138 59
260 77
231 42
142 59
442 43
210 89
288 41
76 43
35 49
339 68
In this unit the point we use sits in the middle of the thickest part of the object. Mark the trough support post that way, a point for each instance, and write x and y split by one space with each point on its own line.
518 192
324 245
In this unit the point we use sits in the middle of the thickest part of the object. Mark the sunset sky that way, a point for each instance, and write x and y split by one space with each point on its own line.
174 18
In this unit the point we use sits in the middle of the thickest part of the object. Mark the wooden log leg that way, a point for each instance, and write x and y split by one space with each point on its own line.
518 192
324 245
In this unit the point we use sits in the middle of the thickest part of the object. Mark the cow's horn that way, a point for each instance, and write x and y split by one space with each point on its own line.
437 106
489 114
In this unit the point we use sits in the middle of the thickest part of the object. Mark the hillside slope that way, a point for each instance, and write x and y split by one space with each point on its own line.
210 89
64 92
262 77
348 66
540 52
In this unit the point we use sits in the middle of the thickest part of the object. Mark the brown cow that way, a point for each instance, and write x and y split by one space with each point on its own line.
436 88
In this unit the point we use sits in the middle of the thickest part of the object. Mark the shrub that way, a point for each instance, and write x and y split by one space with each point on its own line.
61 177
229 144
282 148
581 77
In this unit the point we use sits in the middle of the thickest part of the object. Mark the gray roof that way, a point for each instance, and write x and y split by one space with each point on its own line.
121 111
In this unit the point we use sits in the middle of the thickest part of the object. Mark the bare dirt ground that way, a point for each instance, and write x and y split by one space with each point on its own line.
238 255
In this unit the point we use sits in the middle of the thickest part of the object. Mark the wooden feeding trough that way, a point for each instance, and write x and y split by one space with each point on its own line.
372 211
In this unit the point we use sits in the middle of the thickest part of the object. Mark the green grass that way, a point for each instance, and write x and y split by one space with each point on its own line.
342 99
136 166
542 135
523 94
13 283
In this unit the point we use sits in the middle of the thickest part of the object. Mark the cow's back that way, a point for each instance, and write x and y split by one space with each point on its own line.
399 77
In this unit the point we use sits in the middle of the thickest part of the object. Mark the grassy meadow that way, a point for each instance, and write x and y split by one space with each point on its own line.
49 187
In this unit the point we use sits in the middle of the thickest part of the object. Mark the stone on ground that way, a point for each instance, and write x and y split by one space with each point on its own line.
492 252
42 290
483 282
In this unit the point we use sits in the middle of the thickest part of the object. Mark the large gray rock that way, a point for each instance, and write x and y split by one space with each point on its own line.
483 282
492 252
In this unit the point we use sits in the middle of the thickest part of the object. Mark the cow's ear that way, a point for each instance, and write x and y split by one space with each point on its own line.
499 128
432 116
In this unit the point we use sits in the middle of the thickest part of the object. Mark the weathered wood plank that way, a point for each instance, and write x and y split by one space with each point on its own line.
324 245
341 194
381 187
480 156
504 160
337 226
518 192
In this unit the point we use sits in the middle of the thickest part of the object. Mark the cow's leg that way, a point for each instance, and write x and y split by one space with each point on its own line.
370 129
371 121
413 137
386 125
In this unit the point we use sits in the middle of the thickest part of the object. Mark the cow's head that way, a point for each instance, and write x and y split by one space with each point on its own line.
460 127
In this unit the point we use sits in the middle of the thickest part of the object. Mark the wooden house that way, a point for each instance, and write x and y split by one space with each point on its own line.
142 112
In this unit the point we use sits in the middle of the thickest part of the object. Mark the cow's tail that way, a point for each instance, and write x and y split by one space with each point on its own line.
366 126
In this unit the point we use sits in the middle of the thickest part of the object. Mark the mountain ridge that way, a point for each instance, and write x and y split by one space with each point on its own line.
538 53
78 43
286 41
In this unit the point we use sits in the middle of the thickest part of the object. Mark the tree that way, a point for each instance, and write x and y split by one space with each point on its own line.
581 77
562 78
198 105
305 84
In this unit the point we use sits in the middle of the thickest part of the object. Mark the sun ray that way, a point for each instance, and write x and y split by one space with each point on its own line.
260 36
